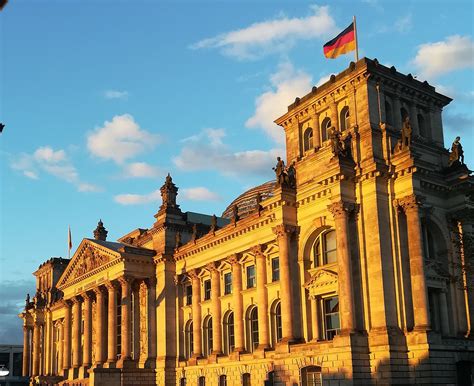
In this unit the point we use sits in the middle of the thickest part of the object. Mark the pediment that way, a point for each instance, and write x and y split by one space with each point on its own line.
322 278
88 259
434 272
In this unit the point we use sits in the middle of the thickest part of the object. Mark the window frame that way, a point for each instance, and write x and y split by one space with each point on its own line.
251 279
319 249
308 139
275 270
207 289
227 285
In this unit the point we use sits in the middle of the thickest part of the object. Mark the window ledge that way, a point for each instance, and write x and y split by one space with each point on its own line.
248 290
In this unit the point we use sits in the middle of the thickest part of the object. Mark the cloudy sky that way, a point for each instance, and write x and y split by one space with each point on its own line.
102 98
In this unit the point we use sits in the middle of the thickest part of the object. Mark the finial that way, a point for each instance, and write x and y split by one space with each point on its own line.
169 191
100 233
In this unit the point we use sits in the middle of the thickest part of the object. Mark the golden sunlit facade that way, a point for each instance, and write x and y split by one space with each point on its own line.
350 268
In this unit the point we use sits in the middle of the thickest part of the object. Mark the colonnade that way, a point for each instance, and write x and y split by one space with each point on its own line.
284 234
101 349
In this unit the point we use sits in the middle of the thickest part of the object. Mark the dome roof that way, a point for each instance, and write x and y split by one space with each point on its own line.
247 201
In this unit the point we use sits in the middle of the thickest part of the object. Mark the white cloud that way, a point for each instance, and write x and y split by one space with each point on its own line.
277 35
120 139
115 94
137 199
459 122
200 194
454 53
141 170
456 94
53 162
286 84
207 151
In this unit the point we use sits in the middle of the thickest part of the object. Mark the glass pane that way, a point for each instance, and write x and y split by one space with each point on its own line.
330 240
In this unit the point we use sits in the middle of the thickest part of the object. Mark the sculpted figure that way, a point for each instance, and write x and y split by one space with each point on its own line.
280 172
337 146
406 133
291 173
457 153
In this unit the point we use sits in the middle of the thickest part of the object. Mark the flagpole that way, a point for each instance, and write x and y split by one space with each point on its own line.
69 242
356 42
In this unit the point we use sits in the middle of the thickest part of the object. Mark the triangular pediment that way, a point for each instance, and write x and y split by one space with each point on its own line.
434 272
89 258
321 279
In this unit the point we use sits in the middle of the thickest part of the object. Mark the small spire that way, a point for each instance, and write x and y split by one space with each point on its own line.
100 233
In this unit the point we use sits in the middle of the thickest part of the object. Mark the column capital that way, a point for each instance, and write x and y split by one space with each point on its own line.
258 250
126 280
213 266
99 291
76 299
342 208
285 230
408 203
193 274
110 286
86 296
233 259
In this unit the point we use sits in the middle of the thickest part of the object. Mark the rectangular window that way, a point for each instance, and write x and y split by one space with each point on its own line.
331 317
275 269
251 282
228 283
207 289
188 290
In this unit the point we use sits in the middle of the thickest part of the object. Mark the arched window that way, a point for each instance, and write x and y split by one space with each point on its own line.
421 126
207 338
223 380
277 332
246 379
311 375
325 126
202 381
229 336
324 248
388 113
344 118
308 139
252 329
188 339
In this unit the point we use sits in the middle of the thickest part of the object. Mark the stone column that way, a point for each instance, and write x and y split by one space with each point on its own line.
152 323
67 335
443 310
100 328
59 365
76 332
283 233
411 205
397 118
262 298
315 319
216 309
126 284
316 128
238 304
197 333
36 349
26 351
340 212
414 119
87 349
334 115
111 324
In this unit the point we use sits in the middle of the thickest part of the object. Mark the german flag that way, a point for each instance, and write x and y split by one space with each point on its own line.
341 44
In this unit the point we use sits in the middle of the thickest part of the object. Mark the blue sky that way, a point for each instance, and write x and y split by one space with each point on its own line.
102 98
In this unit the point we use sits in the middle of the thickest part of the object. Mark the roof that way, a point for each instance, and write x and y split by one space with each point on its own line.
122 247
247 201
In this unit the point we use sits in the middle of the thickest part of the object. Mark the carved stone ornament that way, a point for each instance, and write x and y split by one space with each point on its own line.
89 261
411 202
143 295
257 250
341 208
284 230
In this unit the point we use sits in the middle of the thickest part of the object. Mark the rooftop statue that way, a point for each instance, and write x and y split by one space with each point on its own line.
406 133
285 176
457 153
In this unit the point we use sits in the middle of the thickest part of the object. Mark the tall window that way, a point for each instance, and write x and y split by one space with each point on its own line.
308 139
331 325
119 324
311 376
207 289
251 282
344 118
202 381
246 379
252 329
276 322
227 283
324 249
207 336
188 339
275 269
182 382
229 335
222 380
421 125
188 290
325 126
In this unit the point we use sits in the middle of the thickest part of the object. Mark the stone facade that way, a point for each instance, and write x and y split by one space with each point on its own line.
357 274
